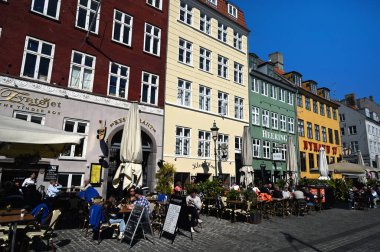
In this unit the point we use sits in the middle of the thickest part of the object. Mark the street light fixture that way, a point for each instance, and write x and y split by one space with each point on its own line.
214 131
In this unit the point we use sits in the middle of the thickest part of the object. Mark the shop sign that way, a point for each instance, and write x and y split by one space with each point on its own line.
307 145
143 122
51 173
277 156
274 136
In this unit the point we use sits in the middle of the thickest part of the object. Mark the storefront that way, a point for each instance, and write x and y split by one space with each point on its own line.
84 114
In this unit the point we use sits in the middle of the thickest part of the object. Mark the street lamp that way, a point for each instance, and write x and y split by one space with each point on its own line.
214 130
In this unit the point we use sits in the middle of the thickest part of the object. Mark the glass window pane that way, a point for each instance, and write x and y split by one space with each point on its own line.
77 58
81 127
76 179
38 5
30 65
36 119
63 179
79 149
81 22
153 95
32 45
69 126
88 61
116 31
52 8
44 69
46 49
22 117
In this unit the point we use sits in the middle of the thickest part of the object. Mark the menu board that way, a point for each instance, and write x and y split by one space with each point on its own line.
133 222
96 174
51 173
171 219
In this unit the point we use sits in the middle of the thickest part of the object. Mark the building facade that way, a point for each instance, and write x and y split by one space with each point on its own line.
77 66
207 79
318 125
272 117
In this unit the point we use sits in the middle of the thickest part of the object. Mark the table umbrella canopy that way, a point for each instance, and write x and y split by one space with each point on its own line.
247 174
323 166
360 158
346 167
131 155
291 160
18 137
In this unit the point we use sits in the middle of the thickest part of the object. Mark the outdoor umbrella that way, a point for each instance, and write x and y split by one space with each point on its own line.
291 160
130 151
323 166
247 171
377 161
20 138
360 158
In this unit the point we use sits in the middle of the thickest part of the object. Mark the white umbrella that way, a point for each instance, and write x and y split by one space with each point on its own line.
130 151
377 161
19 137
323 166
291 159
360 158
247 178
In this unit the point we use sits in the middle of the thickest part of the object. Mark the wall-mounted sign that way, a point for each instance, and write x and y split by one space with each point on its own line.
143 122
96 174
274 136
307 145
51 173
277 156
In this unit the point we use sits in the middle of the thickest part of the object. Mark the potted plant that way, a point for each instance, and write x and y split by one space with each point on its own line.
165 179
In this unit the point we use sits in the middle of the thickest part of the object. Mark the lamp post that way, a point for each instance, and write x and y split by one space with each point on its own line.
214 130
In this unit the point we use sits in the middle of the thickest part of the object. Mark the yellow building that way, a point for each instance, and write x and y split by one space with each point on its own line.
318 126
206 81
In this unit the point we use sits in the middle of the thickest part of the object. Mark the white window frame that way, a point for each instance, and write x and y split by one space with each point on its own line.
222 103
265 118
204 144
255 85
256 147
82 67
290 98
238 41
274 120
153 38
317 132
264 88
204 98
39 55
154 4
222 67
29 116
205 58
354 146
282 95
324 134
85 139
232 10
186 50
255 115
238 73
222 32
187 11
123 25
283 151
45 9
184 92
183 141
266 149
150 85
70 178
88 12
291 125
352 130
238 144
119 77
239 108
222 139
205 23
283 123
273 92
214 2
309 130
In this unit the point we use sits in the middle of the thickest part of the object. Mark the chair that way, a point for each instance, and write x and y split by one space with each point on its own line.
3 241
35 223
300 207
226 209
107 225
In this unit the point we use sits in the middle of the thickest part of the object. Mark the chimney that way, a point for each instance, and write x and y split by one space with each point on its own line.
350 100
278 59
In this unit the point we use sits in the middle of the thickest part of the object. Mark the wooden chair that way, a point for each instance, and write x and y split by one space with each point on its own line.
105 226
226 209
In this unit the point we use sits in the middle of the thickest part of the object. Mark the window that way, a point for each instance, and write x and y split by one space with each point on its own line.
222 32
82 71
122 28
118 80
182 141
265 118
352 130
291 124
185 52
331 137
266 149
299 100
256 148
186 13
184 93
38 59
354 146
238 144
282 95
232 10
307 103
315 106
222 67
214 2
322 109
274 120
81 128
238 73
311 161
204 98
255 116
30 117
334 113
309 130
342 117
317 132
336 133
152 39
155 3
273 92
149 88
283 152
86 11
205 59
303 161
301 128
70 179
342 131
275 148
205 24
264 88
222 144
324 137
255 83
204 144
290 98
222 103
328 111
282 123
239 107
238 41
49 8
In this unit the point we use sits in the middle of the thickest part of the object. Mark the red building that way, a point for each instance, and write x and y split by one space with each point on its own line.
96 56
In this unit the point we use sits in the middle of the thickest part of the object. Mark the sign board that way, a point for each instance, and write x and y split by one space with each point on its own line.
171 219
277 156
138 218
51 173
96 174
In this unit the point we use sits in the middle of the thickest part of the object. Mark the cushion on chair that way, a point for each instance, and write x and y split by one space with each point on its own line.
31 235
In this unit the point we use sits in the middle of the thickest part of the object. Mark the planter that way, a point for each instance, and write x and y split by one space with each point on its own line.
255 217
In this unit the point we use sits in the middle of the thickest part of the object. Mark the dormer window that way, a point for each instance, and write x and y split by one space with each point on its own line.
297 80
232 10
214 2
313 88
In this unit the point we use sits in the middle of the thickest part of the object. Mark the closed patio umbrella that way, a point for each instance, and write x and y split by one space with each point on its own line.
247 178
323 166
377 161
130 151
360 158
291 160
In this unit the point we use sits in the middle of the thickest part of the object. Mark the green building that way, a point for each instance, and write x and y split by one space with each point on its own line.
273 116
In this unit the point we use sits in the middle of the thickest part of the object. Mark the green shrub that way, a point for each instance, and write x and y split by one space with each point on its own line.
165 179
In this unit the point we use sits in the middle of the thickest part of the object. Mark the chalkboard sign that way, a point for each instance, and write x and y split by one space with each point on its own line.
138 218
51 173
171 219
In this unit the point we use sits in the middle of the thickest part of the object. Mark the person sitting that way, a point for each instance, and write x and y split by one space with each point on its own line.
112 210
374 198
265 189
298 194
277 193
286 193
141 200
194 205
131 197
53 189
88 192
309 197
178 187
29 181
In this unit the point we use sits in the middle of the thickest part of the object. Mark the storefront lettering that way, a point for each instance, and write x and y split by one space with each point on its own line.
203 165
24 99
143 122
307 145
274 136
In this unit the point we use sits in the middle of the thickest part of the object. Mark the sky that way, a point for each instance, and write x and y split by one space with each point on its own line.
333 42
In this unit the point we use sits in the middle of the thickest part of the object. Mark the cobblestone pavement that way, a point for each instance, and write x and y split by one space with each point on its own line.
330 230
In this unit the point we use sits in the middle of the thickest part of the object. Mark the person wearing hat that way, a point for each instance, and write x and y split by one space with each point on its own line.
141 200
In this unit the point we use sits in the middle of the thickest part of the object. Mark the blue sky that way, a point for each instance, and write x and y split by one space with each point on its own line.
334 42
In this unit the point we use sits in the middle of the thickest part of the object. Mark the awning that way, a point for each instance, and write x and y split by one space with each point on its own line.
345 167
18 137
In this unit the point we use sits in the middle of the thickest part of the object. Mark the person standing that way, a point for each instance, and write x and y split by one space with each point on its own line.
194 205
29 181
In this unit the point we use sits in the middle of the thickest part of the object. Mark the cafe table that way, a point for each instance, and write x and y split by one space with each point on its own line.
13 220
234 203
10 211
